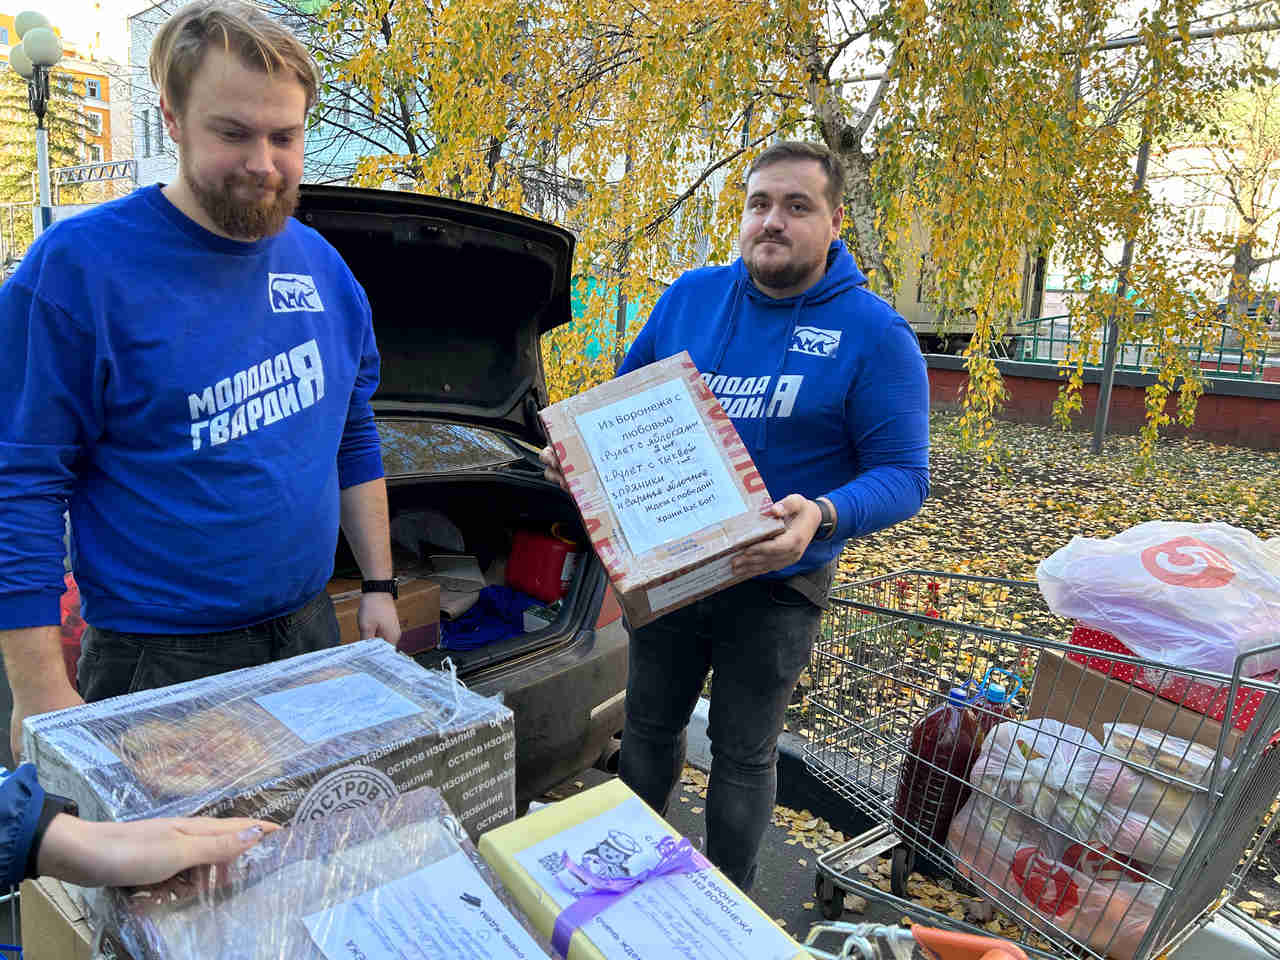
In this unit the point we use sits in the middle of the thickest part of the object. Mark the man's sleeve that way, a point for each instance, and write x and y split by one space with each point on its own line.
21 802
50 413
887 418
360 452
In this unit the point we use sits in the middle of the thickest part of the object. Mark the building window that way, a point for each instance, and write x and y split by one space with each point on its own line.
95 153
146 132
4 35
62 83
159 130
95 123
93 88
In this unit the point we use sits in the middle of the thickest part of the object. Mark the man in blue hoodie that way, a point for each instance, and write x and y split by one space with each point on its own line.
189 370
827 388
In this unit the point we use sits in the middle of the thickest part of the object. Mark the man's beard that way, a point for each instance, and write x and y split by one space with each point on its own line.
238 218
779 277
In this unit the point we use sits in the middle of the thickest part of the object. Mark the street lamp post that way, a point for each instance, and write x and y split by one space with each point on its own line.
33 58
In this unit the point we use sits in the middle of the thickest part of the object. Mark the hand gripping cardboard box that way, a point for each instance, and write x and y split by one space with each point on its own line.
418 608
667 490
290 741
395 878
605 878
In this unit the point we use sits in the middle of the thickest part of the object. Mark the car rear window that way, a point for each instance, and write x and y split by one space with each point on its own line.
412 447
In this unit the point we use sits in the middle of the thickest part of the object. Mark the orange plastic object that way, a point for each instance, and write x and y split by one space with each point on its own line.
953 945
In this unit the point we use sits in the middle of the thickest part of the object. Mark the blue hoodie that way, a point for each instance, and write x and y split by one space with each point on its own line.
21 802
196 401
827 389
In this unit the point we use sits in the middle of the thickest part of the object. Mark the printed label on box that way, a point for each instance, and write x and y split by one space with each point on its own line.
659 466
684 915
695 581
444 910
315 712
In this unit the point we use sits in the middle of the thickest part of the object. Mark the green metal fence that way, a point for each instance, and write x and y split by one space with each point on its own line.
1050 339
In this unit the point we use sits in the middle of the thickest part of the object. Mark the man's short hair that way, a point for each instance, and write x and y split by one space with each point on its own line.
805 150
259 41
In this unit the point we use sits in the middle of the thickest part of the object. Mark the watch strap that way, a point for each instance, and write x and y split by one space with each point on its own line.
827 526
381 586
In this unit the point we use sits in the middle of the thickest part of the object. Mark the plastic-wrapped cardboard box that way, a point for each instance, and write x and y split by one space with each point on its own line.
678 906
396 878
666 489
291 741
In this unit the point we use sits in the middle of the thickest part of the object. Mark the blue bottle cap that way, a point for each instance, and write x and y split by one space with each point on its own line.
996 693
959 696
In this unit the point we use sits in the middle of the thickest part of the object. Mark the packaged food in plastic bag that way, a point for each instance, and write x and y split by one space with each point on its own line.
1073 888
394 878
1029 763
1184 594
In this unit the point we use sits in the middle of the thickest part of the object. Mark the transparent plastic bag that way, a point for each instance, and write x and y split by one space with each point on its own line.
397 872
1184 594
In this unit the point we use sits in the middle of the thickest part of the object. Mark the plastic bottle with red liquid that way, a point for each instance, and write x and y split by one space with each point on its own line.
996 701
934 777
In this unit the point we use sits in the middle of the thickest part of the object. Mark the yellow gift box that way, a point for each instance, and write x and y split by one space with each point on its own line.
689 911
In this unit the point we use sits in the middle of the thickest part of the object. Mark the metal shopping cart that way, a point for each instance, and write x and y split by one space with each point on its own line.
1094 839
10 950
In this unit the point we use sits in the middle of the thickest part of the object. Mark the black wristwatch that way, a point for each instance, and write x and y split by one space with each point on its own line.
828 525
381 586
53 805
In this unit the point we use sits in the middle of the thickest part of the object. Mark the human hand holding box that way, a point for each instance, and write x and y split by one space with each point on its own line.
685 908
667 490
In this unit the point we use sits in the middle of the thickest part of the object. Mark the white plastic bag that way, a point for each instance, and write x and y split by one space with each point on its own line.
1072 889
1148 820
1184 594
1029 763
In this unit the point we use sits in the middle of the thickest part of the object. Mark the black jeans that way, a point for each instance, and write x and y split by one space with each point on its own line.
756 638
113 663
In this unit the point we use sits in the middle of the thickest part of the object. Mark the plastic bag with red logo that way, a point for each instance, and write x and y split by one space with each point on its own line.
1087 892
1184 594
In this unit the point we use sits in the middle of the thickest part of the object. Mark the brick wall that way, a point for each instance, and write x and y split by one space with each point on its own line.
1240 414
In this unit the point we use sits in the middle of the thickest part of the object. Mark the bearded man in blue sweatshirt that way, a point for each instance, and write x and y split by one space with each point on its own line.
189 369
827 388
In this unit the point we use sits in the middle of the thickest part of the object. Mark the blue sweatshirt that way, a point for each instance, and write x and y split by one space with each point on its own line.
197 401
827 389
21 801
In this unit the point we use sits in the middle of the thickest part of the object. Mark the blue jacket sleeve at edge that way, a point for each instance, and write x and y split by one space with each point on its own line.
21 800
50 412
360 452
887 417
642 348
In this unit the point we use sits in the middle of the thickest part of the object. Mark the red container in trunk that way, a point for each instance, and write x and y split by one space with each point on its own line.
542 564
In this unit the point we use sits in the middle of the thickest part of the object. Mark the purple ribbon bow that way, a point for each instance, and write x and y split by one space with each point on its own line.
674 859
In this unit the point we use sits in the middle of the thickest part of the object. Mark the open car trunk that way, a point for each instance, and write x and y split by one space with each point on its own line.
481 515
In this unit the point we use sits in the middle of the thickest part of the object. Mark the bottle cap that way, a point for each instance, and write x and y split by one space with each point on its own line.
996 693
959 696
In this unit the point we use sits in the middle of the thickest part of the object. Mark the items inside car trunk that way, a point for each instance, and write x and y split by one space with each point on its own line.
485 567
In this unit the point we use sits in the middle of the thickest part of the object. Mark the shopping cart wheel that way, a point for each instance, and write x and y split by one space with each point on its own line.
830 897
904 861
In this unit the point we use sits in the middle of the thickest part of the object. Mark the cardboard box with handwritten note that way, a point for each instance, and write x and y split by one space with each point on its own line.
666 488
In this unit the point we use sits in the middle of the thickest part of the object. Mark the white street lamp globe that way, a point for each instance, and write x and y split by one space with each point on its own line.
20 62
29 20
42 45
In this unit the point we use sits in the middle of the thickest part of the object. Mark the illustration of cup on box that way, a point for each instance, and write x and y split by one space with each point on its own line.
667 490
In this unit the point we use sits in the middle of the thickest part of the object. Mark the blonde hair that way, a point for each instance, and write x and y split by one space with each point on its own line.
259 41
